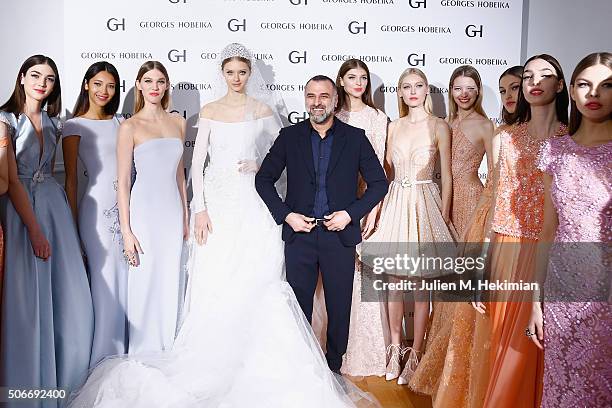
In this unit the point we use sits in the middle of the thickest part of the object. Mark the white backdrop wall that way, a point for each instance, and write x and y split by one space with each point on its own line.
292 39
296 39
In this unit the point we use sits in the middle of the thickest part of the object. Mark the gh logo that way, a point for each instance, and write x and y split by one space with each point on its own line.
178 1
296 58
355 28
473 31
234 25
295 117
417 3
298 2
113 24
413 59
176 56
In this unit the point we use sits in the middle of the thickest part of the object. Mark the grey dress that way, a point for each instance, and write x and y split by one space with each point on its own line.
47 316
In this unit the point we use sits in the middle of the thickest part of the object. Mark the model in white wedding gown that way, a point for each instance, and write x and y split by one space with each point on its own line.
244 341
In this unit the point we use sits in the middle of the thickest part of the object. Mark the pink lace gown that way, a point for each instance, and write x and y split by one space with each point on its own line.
368 333
578 332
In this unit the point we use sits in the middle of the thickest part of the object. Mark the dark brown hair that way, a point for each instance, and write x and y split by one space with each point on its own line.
515 71
596 58
366 97
469 72
53 102
146 67
82 104
523 109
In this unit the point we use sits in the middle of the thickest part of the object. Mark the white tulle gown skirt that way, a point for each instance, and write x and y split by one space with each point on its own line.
244 341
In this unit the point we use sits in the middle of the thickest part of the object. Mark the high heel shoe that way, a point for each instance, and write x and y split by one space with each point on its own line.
393 367
410 367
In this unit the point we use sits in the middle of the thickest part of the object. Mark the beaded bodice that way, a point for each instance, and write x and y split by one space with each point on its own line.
520 190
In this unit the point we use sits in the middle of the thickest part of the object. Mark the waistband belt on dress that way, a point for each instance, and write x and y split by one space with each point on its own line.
407 183
37 177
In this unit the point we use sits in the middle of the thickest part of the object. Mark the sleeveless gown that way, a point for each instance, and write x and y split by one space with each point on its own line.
156 219
467 187
443 372
47 316
100 233
244 341
411 215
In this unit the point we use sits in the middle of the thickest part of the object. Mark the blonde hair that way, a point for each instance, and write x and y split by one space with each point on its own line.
469 72
402 107
146 67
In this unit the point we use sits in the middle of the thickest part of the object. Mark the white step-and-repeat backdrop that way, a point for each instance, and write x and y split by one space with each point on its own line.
292 40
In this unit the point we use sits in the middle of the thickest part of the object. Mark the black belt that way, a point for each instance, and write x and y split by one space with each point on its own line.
318 222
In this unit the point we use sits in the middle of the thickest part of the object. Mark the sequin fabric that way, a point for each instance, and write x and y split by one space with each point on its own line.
467 187
577 335
520 190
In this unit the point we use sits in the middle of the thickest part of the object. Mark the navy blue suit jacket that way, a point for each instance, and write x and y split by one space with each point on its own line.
352 154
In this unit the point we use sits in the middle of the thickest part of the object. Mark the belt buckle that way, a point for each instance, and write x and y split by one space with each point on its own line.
406 183
38 177
318 222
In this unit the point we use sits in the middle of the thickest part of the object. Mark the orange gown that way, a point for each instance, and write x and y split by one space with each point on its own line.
516 365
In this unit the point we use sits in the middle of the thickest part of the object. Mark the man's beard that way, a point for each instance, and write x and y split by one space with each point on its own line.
322 117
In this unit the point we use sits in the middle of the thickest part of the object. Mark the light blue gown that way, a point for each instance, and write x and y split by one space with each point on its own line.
47 315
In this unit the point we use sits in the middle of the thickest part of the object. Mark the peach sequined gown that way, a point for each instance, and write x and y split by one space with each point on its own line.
448 353
516 365
467 187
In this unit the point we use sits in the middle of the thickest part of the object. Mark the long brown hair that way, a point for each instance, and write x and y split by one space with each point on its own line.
366 97
515 71
146 67
523 109
596 58
402 107
53 102
469 72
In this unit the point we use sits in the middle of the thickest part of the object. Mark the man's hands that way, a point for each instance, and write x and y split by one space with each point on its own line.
337 220
299 222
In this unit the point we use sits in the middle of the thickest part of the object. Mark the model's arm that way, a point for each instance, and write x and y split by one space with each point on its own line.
547 235
125 155
487 141
388 149
374 176
202 222
180 181
4 174
443 136
380 139
70 147
21 202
